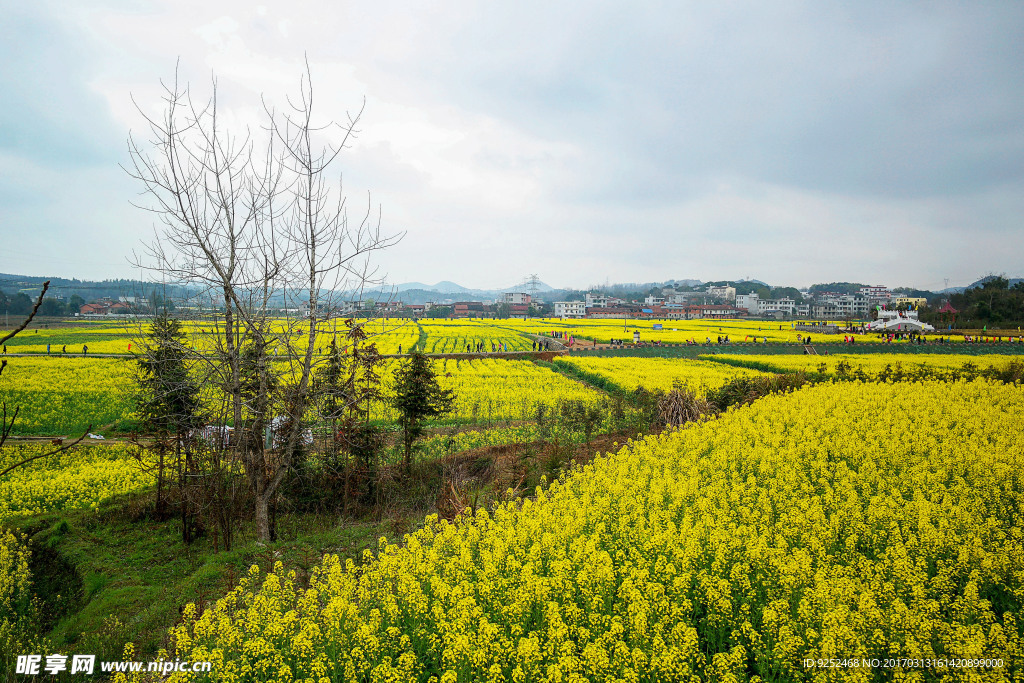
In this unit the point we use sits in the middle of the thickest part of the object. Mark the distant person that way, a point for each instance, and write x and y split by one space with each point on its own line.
399 348
85 349
47 349
63 349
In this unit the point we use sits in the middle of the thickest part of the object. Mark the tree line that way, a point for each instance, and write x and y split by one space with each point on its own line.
993 302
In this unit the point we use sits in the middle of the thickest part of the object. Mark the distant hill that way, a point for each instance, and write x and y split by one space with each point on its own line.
978 283
981 282
87 289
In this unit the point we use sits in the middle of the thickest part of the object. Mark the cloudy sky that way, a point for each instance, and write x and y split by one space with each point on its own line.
792 142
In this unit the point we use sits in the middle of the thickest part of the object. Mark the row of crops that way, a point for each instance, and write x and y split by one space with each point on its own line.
62 396
870 364
397 335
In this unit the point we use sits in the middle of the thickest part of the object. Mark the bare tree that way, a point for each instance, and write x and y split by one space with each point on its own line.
254 218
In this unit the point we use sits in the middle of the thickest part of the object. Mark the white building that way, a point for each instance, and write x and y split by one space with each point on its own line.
684 297
570 309
727 293
876 292
596 301
654 300
841 307
516 298
749 302
770 306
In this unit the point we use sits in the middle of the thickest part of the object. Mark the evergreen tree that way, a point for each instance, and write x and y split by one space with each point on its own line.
346 388
169 406
418 397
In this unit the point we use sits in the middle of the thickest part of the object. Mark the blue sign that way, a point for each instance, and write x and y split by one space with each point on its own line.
657 326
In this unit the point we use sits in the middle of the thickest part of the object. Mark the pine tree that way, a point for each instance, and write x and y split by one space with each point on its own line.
418 397
169 405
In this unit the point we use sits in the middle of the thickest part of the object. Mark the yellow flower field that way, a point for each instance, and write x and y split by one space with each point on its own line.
64 395
79 478
452 336
100 338
16 627
682 331
869 363
812 525
496 389
658 373
61 396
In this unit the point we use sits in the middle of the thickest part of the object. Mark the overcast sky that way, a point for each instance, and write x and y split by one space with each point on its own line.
791 142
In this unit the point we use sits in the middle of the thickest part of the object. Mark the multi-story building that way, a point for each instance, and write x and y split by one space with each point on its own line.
684 297
727 293
876 293
748 302
711 311
469 309
654 300
570 309
674 311
770 306
596 300
841 307
516 298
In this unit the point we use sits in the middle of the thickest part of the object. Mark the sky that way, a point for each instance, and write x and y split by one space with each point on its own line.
790 142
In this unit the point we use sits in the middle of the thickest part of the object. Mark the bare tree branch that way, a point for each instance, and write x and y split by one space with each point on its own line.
62 449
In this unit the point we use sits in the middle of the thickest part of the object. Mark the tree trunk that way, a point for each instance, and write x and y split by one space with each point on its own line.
263 519
160 485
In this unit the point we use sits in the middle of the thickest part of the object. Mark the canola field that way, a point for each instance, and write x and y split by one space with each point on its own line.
440 335
80 478
466 336
868 363
676 331
99 337
813 525
699 376
488 389
62 396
